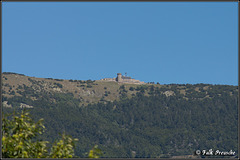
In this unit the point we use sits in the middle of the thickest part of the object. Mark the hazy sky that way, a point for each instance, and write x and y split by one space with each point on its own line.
161 42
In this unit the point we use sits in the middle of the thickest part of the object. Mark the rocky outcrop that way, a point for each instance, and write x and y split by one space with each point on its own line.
6 105
22 105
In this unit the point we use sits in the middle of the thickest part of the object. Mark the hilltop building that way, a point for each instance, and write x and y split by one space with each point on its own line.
123 79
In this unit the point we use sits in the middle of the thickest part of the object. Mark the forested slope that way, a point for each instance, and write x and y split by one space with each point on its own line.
155 121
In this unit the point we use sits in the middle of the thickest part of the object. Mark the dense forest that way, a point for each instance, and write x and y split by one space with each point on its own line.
147 124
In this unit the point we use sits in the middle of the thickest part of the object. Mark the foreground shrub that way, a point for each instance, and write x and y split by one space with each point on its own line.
20 135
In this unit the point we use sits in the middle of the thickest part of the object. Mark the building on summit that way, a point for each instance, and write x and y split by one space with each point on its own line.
123 79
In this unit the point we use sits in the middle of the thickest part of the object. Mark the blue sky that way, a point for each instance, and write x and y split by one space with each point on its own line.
194 42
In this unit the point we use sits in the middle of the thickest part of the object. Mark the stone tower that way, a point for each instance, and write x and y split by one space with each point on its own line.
119 77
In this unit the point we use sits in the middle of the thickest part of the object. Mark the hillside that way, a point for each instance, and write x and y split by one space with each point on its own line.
86 91
130 120
89 92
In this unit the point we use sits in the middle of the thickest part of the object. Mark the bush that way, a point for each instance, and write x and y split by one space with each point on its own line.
12 93
19 139
131 89
58 85
122 87
106 93
89 86
95 152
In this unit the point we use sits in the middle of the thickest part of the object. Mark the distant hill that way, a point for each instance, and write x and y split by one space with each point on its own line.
93 91
129 120
86 91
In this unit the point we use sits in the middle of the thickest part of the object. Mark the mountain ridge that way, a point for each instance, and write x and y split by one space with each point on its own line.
89 91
